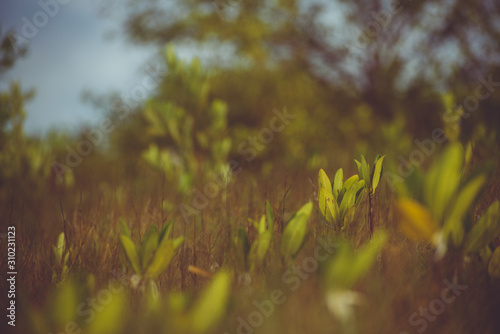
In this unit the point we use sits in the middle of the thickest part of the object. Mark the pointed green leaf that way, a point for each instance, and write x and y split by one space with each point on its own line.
454 224
148 246
325 196
161 259
323 180
443 180
338 182
347 202
295 232
333 210
351 181
360 190
177 242
125 230
259 250
165 231
262 225
365 172
485 230
131 256
359 166
377 172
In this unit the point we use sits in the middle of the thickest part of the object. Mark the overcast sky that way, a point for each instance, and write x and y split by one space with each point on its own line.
69 54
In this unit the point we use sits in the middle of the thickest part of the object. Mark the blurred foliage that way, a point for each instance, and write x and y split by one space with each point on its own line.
151 258
279 89
442 206
343 80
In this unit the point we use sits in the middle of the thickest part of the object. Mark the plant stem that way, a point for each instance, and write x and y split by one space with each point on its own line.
370 212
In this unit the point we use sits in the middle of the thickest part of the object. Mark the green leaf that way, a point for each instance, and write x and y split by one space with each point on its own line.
295 232
259 250
131 256
347 202
348 184
333 210
359 192
323 180
365 172
262 225
454 223
325 196
351 181
338 182
210 308
109 320
377 172
443 180
485 230
64 302
359 166
177 242
415 221
161 259
165 231
347 267
148 246
125 230
494 265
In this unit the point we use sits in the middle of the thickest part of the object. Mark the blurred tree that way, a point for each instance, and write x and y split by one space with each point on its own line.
344 68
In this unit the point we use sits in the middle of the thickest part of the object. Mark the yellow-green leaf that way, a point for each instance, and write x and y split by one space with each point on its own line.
325 196
377 173
365 171
210 308
131 256
415 221
148 246
453 225
295 232
161 259
333 210
487 229
324 181
443 180
338 182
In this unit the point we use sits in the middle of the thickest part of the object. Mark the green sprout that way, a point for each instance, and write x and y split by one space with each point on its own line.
337 201
372 178
153 255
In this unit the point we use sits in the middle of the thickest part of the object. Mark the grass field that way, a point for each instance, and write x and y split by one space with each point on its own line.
403 290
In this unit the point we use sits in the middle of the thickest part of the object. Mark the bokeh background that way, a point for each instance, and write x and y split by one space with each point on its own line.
126 109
